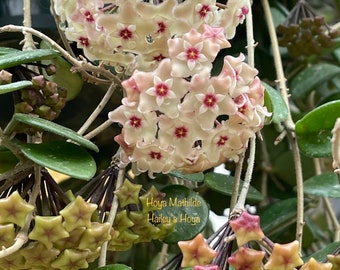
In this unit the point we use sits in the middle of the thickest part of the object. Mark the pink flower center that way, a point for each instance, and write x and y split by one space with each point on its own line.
161 89
204 10
125 34
84 41
222 140
244 12
192 53
161 27
181 132
210 100
88 16
159 57
155 155
135 121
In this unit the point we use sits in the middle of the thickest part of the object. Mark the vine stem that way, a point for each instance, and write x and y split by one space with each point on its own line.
28 39
112 215
81 66
289 124
98 109
240 204
237 179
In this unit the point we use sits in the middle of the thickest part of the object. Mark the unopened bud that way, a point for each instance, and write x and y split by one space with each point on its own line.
5 77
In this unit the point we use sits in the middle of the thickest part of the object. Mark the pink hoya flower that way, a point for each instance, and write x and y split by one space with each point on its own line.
159 91
191 54
207 101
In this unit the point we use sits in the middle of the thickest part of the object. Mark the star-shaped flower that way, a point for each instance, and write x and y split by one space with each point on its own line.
95 236
335 260
128 193
37 255
78 213
246 258
7 235
246 228
47 230
12 261
122 240
152 200
71 259
122 221
284 257
14 209
312 264
196 252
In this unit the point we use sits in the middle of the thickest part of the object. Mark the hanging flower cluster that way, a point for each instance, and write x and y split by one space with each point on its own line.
133 34
175 115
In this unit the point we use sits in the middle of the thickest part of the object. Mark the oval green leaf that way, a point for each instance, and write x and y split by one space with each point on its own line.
310 78
275 104
195 177
54 128
11 87
314 130
64 77
325 185
224 184
63 157
115 267
23 57
184 207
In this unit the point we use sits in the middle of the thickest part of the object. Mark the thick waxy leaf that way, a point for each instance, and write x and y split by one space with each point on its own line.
310 78
53 128
6 50
115 267
224 184
63 157
23 57
184 207
321 255
11 87
314 130
64 77
326 184
195 177
277 214
275 104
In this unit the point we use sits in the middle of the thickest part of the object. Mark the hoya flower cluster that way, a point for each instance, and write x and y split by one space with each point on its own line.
176 115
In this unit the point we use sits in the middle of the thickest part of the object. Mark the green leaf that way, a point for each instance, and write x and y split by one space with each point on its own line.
321 255
275 104
53 128
7 160
224 184
187 209
115 267
310 78
11 87
276 215
195 177
314 130
325 185
63 157
23 57
7 50
64 77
